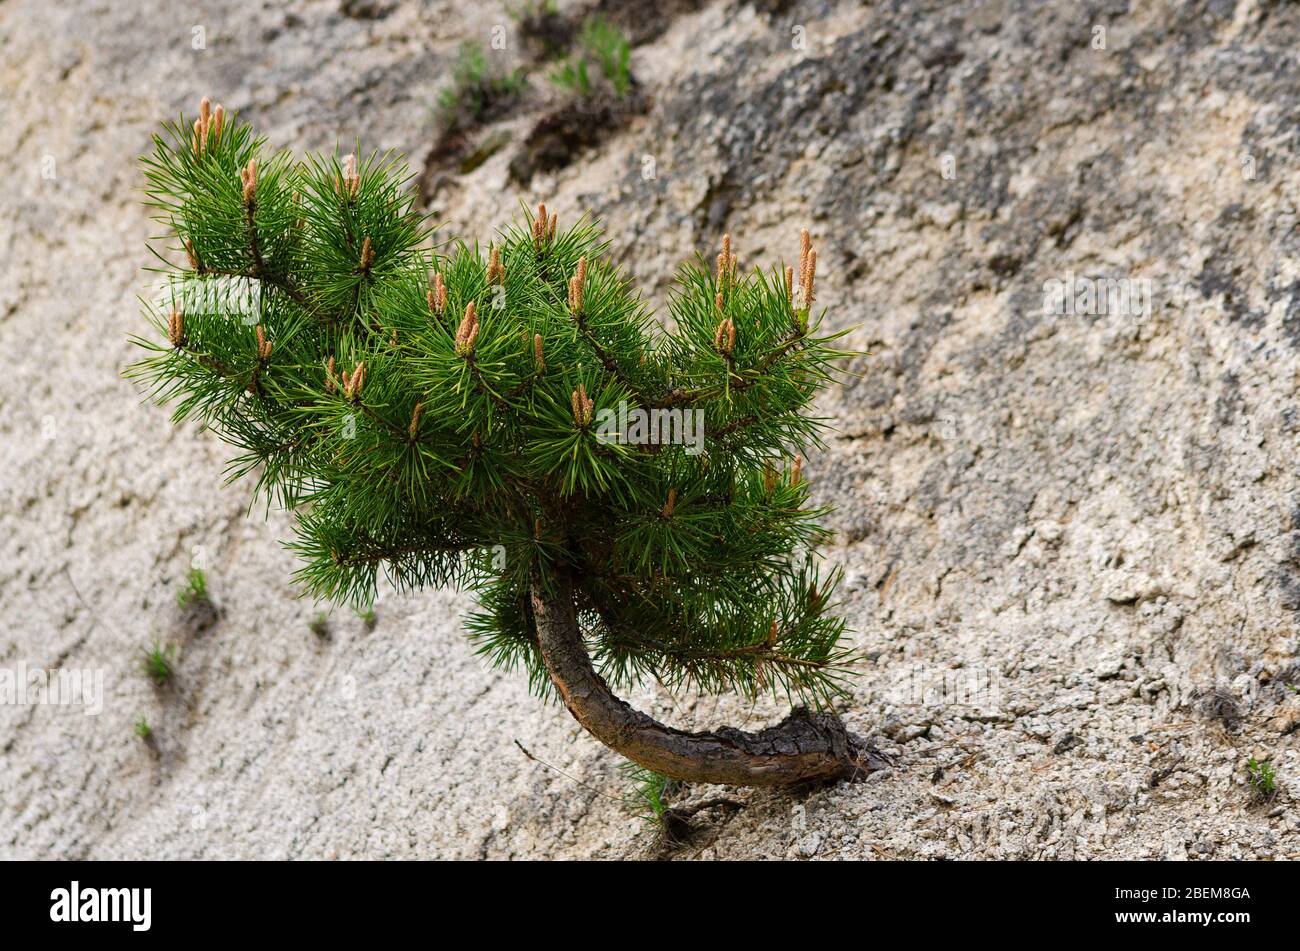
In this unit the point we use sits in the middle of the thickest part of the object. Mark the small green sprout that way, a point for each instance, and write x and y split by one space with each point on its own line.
610 48
319 625
367 615
142 728
572 75
475 88
650 792
157 663
1263 778
195 590
601 46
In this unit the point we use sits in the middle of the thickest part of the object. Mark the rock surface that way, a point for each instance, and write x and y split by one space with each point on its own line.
1071 538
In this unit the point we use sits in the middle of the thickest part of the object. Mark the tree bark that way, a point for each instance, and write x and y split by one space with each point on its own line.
804 747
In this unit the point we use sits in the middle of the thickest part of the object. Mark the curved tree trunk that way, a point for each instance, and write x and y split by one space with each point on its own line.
804 747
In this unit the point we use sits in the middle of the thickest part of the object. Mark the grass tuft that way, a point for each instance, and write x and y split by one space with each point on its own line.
319 625
1262 778
195 590
157 663
649 794
603 50
476 89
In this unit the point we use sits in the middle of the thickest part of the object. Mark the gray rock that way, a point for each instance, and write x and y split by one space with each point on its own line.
1022 494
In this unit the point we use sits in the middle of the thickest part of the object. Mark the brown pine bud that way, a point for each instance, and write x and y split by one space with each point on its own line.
814 599
807 268
789 284
414 428
330 383
437 296
771 635
539 227
218 122
263 345
189 253
367 254
176 329
351 179
724 338
206 126
496 272
538 361
725 270
467 332
583 408
353 384
796 471
577 286
717 301
670 505
550 229
808 295
248 175
769 477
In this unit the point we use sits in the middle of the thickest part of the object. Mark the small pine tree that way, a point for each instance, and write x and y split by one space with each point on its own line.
626 502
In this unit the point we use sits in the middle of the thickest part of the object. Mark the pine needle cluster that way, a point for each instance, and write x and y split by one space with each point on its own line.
442 413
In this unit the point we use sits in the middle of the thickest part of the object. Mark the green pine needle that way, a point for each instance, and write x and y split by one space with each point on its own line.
428 445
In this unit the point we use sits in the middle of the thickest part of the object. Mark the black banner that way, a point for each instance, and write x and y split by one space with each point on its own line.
1228 901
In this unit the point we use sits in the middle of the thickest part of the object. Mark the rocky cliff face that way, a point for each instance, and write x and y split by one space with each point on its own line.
1065 468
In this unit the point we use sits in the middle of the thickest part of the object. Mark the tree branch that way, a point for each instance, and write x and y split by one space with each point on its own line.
804 747
608 362
679 395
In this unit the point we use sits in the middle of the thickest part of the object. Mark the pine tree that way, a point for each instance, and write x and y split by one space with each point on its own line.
625 501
